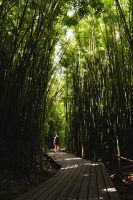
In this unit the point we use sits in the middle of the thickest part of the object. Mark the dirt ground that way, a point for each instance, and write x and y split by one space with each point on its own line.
123 183
11 188
125 187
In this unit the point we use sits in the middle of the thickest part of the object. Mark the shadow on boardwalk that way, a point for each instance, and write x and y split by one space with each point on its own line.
77 179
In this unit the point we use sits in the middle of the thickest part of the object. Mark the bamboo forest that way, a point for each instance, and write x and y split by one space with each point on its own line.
66 68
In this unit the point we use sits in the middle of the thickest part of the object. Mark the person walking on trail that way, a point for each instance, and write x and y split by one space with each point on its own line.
56 143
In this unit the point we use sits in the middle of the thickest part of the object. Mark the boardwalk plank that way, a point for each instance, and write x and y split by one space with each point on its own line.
75 190
78 179
54 190
101 185
93 193
85 182
67 190
110 187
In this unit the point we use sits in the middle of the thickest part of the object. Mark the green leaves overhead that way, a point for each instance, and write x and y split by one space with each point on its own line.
29 31
96 75
99 67
70 21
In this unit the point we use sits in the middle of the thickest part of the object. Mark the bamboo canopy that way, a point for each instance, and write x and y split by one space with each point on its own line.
96 65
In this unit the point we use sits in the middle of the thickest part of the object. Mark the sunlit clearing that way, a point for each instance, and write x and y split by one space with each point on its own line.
109 190
57 54
70 167
71 12
56 60
73 159
69 34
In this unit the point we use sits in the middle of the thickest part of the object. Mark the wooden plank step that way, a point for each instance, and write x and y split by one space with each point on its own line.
76 189
112 193
93 193
56 184
59 186
46 186
63 192
101 185
78 179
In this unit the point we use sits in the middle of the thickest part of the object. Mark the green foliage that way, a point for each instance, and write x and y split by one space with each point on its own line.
71 21
55 121
29 31
92 81
98 69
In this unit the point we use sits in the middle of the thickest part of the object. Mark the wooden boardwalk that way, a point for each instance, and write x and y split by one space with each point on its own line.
78 179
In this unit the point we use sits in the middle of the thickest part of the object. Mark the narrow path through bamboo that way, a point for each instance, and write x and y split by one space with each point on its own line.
78 179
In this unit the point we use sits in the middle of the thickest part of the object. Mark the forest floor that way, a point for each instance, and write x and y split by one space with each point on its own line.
123 181
11 188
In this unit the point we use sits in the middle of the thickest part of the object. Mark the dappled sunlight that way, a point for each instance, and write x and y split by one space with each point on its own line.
67 159
72 159
96 198
94 164
70 167
109 190
89 164
86 175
